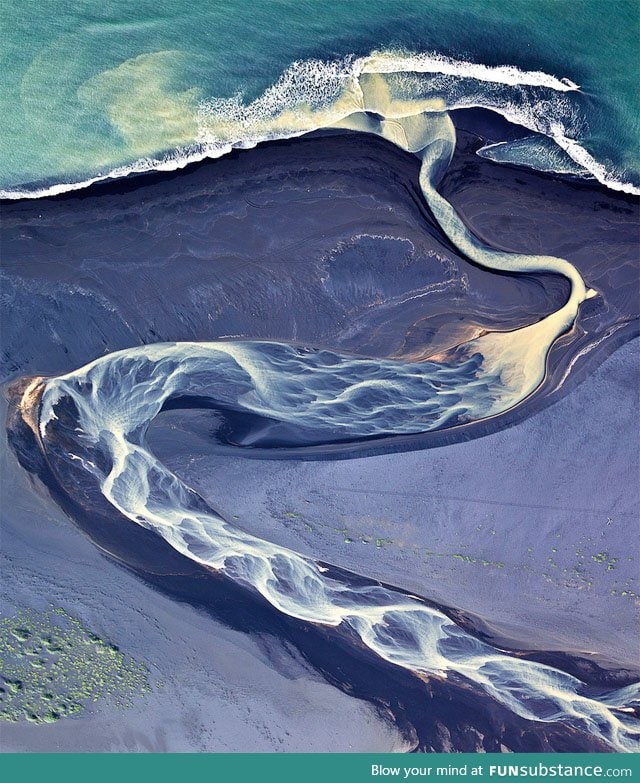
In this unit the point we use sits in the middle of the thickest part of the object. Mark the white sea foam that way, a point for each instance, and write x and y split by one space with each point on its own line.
534 152
556 131
313 94
178 159
431 62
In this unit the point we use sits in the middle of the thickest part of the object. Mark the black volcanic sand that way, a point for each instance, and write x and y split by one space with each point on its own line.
528 529
434 715
595 229
326 241
322 241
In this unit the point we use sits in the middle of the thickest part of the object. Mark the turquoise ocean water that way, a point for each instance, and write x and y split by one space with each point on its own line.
97 89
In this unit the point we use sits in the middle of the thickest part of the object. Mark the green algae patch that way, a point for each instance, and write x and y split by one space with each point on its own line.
52 667
604 558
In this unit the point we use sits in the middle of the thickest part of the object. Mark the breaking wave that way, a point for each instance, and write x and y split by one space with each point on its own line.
312 95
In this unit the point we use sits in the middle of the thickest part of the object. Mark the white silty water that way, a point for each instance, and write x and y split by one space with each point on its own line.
115 398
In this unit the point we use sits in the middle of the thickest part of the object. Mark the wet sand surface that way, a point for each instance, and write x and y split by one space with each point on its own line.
214 688
326 241
526 528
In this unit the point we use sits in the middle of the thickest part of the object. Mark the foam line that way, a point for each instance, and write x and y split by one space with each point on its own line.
432 62
311 95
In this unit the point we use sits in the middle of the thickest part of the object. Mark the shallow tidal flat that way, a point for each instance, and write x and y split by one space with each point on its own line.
525 530
327 242
208 686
